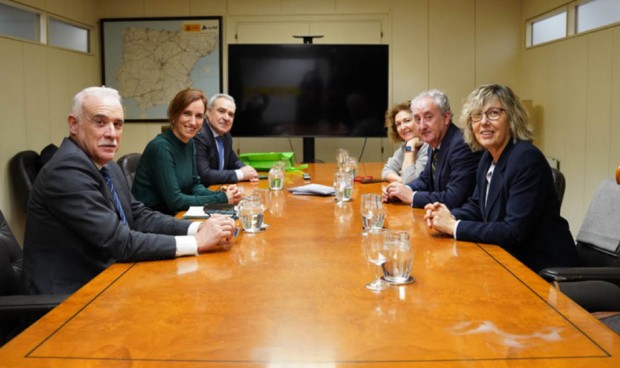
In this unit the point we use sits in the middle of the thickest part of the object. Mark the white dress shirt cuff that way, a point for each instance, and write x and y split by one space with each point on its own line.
186 244
456 226
239 175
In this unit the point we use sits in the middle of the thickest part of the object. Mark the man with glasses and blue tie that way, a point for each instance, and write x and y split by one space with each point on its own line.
82 217
450 173
216 161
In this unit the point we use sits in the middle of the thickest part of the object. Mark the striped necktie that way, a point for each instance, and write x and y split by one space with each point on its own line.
108 179
434 161
220 150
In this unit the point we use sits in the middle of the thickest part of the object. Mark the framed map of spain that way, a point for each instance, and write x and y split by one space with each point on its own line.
149 60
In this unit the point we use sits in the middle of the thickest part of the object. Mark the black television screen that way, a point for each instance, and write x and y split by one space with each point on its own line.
308 90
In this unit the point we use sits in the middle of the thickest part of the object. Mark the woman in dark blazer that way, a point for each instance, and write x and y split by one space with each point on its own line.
514 204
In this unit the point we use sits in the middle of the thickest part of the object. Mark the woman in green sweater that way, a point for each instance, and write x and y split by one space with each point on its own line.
166 178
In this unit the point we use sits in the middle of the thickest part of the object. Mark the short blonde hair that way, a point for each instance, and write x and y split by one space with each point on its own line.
518 119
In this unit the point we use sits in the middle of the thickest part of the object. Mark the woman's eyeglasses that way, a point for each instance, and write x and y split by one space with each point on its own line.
492 114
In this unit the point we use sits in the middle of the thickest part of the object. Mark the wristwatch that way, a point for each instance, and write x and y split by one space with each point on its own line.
408 148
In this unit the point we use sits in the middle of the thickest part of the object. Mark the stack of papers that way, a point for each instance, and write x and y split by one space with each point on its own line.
313 189
196 212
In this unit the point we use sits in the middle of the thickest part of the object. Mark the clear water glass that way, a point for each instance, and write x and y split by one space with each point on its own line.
397 268
276 176
341 157
341 187
376 252
251 214
372 211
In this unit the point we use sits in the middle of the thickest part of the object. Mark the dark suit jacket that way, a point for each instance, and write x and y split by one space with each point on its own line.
73 231
207 161
522 212
455 172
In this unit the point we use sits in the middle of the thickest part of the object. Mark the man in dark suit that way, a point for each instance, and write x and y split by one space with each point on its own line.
81 214
216 161
514 204
449 174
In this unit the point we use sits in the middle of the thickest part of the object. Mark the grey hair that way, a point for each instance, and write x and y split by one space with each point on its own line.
217 96
77 107
440 99
520 128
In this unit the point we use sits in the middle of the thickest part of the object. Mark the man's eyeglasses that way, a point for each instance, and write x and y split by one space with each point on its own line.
492 114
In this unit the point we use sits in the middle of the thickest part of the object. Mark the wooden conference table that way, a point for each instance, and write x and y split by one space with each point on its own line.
295 296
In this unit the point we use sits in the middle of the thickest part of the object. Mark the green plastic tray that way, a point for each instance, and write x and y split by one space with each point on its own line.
263 161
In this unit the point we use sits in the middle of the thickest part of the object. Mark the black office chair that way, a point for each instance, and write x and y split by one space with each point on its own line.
24 167
46 154
129 165
596 285
560 183
17 309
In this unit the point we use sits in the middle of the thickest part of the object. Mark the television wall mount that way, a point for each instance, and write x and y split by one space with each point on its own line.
309 38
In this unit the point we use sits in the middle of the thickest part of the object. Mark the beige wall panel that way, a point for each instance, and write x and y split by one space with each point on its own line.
268 32
38 4
207 7
409 50
78 10
366 6
36 90
614 152
452 49
167 8
254 7
534 80
136 136
121 8
533 8
13 127
573 162
326 148
498 41
69 72
349 32
598 108
555 92
308 7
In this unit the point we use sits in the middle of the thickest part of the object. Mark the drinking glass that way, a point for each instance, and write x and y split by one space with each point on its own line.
376 252
276 176
251 214
350 166
373 213
340 186
341 157
397 268
277 203
263 194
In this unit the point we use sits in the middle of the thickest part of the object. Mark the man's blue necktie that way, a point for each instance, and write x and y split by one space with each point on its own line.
108 179
220 150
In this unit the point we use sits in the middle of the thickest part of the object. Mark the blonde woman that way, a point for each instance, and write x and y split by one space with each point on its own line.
514 204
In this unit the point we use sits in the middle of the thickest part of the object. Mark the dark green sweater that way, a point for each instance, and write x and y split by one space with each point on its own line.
166 179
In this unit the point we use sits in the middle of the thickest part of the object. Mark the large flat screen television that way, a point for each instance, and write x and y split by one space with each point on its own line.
308 90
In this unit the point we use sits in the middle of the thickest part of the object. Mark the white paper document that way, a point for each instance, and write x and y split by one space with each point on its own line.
195 212
313 189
